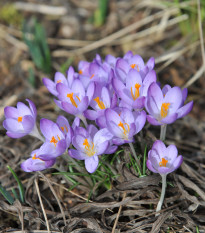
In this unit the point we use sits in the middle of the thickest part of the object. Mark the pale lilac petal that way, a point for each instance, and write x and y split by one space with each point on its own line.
15 134
101 122
70 76
183 111
13 125
128 55
101 136
177 163
119 141
105 97
151 63
32 165
78 88
152 107
165 89
46 128
60 78
83 105
32 107
121 69
28 123
11 112
174 97
69 108
150 167
50 85
164 170
137 59
76 154
160 148
78 141
90 91
169 119
140 120
23 109
58 103
91 114
171 154
133 130
155 92
101 148
153 121
110 150
139 103
92 130
111 115
148 80
91 163
127 116
184 94
133 77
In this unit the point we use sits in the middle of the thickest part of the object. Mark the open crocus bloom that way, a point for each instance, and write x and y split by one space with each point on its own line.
35 163
89 145
134 92
21 121
166 108
135 62
59 78
162 159
74 100
124 125
55 139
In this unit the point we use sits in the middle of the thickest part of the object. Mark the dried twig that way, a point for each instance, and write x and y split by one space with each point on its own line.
42 207
40 8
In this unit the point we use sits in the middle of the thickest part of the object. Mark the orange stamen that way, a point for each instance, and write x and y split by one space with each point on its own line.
70 95
164 109
138 69
133 66
59 81
78 98
34 157
92 76
20 119
137 91
163 163
54 140
100 103
123 127
80 72
89 150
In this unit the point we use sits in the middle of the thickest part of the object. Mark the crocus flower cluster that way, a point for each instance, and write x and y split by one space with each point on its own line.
115 94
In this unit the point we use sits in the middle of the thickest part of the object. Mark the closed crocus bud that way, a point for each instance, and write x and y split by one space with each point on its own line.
35 163
21 120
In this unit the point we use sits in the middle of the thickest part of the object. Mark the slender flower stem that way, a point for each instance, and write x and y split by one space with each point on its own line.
135 155
35 133
164 184
83 119
163 132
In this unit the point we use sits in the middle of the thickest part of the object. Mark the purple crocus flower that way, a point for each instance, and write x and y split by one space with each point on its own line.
134 92
59 78
36 162
64 125
55 139
124 125
21 120
162 159
164 107
93 72
89 145
102 100
135 62
74 100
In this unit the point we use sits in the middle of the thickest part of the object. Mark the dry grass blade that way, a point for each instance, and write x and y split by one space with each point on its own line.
55 195
118 214
41 203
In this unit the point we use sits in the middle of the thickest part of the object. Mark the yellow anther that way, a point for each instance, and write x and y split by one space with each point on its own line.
20 119
125 131
132 66
92 76
78 98
54 140
89 150
59 81
80 72
100 103
70 95
137 91
164 109
163 163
